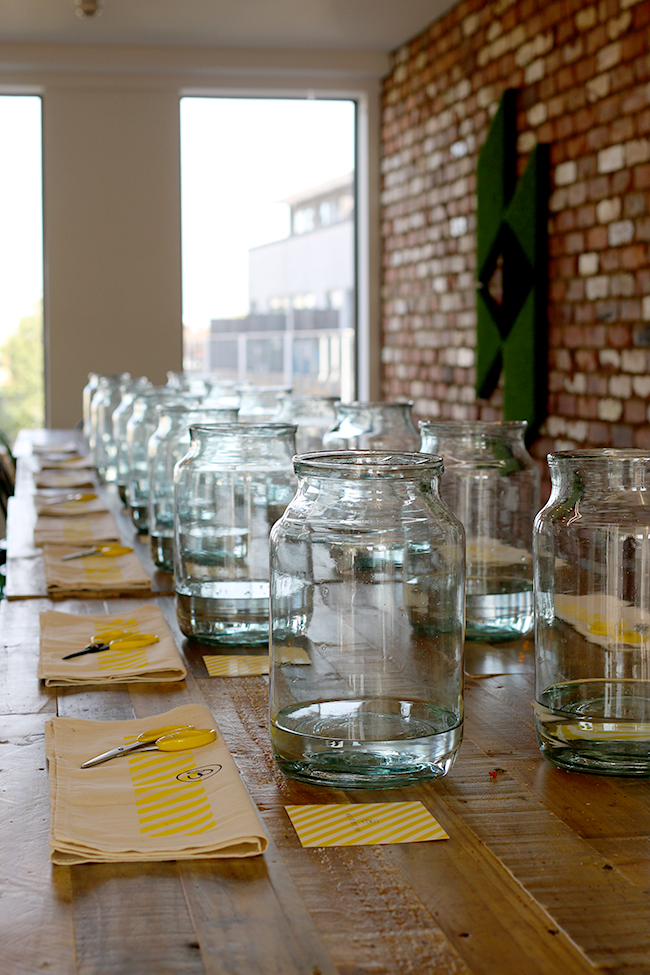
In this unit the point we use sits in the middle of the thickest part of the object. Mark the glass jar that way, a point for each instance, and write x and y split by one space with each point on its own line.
229 491
373 426
491 483
592 613
169 442
121 417
258 404
105 400
367 583
313 415
86 399
139 428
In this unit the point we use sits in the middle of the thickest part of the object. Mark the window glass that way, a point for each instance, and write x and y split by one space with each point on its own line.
267 241
21 265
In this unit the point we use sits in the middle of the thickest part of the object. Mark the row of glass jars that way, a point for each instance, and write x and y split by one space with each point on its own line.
591 593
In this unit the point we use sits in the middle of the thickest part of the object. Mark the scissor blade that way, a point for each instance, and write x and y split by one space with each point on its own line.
114 753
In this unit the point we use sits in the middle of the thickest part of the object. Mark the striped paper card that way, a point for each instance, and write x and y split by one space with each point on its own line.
223 665
364 824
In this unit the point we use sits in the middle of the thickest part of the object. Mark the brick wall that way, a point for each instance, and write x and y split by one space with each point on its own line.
583 72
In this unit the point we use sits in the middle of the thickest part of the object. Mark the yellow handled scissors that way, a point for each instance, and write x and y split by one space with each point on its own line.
108 551
117 640
175 738
73 497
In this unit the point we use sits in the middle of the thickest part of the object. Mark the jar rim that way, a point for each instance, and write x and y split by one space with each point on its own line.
595 453
367 464
242 427
368 404
474 426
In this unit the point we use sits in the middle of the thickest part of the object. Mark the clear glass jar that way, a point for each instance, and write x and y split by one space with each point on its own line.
229 491
592 613
258 404
141 425
105 400
491 483
169 442
86 399
313 415
121 416
373 426
367 584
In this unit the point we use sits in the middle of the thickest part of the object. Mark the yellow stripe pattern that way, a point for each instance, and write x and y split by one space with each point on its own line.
601 731
120 659
363 824
165 805
221 665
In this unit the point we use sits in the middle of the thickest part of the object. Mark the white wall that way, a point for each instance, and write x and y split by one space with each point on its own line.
112 194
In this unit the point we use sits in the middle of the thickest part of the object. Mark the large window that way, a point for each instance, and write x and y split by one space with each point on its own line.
21 265
268 211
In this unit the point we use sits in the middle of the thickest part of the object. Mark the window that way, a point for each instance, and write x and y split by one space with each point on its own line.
21 265
268 238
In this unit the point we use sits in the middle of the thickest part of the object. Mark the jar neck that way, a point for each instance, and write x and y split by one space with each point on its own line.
598 473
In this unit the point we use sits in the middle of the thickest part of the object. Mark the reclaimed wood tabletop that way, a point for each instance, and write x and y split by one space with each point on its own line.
544 872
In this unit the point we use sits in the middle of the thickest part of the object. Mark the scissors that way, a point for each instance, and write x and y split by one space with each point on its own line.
174 738
73 497
118 640
108 551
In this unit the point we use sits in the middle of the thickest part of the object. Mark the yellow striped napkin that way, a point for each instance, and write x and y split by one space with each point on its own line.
363 824
56 462
151 806
86 531
63 633
93 577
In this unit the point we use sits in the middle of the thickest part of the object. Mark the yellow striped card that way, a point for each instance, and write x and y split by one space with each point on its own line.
363 824
250 666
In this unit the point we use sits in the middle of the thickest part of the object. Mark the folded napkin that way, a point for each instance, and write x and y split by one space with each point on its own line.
152 806
64 479
65 509
65 447
63 633
55 462
96 576
83 532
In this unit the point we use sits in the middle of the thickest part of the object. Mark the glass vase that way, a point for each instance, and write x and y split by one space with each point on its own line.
229 490
141 425
592 613
491 483
104 402
314 416
169 442
367 577
121 417
86 399
373 426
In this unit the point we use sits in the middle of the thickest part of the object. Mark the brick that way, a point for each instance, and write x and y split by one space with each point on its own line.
610 410
611 159
620 232
608 210
588 263
635 411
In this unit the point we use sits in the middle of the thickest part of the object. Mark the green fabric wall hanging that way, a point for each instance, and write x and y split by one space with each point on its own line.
512 270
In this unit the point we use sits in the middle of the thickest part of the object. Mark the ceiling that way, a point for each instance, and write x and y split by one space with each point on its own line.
344 25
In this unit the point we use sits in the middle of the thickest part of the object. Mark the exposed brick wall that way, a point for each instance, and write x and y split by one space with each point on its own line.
583 72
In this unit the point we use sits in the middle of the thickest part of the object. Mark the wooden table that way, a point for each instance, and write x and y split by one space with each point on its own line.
545 871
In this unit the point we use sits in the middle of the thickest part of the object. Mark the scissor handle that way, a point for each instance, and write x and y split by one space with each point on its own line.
180 741
156 733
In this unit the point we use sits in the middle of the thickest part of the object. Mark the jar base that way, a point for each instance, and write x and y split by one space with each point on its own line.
365 744
162 552
580 734
231 613
498 608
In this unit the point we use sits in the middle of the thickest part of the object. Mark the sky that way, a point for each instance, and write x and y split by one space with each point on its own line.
239 158
21 210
